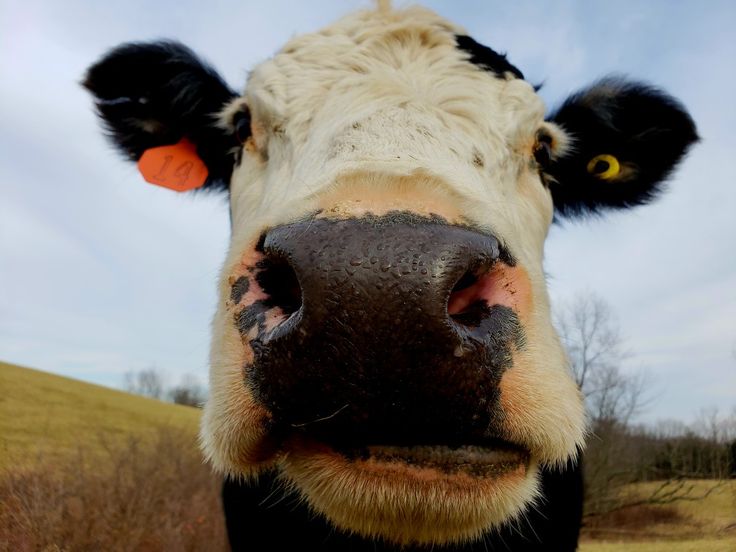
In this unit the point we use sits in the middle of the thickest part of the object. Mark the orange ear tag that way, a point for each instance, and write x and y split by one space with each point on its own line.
177 167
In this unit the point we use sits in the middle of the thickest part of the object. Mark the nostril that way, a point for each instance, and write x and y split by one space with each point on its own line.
467 280
278 280
467 304
472 315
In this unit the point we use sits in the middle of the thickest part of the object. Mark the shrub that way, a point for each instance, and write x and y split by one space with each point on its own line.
147 493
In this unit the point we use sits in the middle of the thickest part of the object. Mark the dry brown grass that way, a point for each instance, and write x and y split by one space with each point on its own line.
689 545
706 524
145 495
636 519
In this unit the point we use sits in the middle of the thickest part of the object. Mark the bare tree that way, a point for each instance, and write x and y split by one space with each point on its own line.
188 392
152 383
615 396
148 382
591 335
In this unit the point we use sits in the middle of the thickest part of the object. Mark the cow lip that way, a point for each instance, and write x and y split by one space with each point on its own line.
472 459
491 458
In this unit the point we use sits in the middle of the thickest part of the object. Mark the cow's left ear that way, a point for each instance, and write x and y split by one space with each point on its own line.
156 94
625 139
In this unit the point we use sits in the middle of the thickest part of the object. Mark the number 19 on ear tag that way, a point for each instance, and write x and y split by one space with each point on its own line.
177 167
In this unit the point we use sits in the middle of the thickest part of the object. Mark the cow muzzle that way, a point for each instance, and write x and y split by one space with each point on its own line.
390 330
378 347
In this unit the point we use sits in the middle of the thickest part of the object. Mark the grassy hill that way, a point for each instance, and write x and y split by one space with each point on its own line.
84 467
49 415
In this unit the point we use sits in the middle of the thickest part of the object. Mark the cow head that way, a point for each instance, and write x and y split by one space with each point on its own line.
383 335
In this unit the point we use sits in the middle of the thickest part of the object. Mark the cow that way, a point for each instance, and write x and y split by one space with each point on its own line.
384 370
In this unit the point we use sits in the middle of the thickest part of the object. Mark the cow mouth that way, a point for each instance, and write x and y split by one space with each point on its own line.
491 459
468 459
413 494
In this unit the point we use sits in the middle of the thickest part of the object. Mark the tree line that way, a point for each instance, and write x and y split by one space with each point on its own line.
152 382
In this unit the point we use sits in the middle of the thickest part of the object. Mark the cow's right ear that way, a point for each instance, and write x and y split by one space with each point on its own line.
161 94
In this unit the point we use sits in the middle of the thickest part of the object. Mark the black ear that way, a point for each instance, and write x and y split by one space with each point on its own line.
626 138
154 94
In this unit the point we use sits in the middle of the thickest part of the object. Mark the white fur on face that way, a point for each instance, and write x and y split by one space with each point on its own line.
385 100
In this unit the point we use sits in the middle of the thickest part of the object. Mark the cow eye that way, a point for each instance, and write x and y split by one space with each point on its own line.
241 125
543 150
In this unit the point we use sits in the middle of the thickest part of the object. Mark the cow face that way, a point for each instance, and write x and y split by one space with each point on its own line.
383 336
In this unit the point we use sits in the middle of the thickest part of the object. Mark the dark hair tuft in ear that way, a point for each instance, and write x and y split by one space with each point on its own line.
487 58
637 127
153 94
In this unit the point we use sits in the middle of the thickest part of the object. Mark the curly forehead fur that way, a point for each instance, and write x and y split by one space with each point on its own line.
385 92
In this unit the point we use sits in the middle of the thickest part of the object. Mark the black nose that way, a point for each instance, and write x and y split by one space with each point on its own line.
370 351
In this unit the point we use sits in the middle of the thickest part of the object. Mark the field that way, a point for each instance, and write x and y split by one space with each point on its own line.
707 525
696 545
84 467
52 416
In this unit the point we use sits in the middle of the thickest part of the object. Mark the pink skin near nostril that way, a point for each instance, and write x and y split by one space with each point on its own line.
249 269
493 288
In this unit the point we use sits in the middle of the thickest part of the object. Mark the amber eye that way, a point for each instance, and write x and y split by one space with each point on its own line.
543 150
241 123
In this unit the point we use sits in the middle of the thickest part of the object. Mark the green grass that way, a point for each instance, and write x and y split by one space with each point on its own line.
46 415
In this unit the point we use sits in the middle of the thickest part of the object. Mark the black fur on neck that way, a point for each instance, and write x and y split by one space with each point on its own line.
264 516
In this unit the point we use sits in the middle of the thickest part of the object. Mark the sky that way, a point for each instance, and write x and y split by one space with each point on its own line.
101 273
